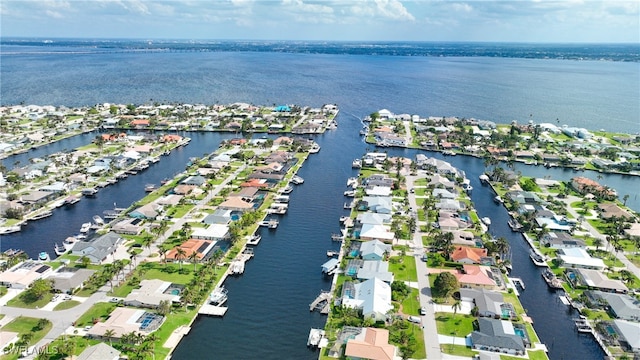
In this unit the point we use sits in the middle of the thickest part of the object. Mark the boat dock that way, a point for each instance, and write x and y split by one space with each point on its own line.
317 338
271 224
519 282
212 310
322 303
237 265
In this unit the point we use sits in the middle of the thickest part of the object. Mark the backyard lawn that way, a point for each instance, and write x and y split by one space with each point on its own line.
66 305
405 270
23 301
449 324
99 311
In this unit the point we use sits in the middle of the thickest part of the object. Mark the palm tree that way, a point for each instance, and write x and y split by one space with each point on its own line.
193 257
162 252
457 305
180 255
597 242
109 335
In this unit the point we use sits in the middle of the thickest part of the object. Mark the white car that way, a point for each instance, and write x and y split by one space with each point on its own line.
414 319
423 311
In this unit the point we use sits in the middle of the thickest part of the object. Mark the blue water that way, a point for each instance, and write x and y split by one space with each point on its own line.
268 315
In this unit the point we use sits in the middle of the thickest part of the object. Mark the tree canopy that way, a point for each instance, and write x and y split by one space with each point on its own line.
445 284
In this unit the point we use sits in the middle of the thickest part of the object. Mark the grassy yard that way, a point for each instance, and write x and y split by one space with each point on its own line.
23 301
449 324
411 304
458 350
168 272
66 305
122 290
175 320
179 211
99 311
405 270
23 325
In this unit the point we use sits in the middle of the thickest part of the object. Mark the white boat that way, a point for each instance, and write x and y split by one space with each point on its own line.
484 179
350 193
10 229
71 200
486 220
297 180
59 250
98 220
356 163
498 199
271 223
149 187
89 192
315 337
282 199
254 240
218 296
288 189
538 259
352 181
315 148
69 241
467 187
43 256
85 228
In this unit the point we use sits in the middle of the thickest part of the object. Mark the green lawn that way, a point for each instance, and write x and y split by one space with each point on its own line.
179 211
411 304
23 325
405 270
168 272
99 311
449 324
122 290
173 321
459 350
23 301
66 305
420 182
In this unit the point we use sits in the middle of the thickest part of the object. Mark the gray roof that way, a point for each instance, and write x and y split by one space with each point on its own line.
623 306
99 351
485 300
375 268
492 334
97 249
66 278
630 332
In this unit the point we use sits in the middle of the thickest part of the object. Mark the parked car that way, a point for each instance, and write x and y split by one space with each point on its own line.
423 311
414 319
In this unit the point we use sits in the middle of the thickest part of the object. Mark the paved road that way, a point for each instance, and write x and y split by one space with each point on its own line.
431 342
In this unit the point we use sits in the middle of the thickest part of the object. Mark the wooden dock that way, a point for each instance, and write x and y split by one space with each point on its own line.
212 310
322 302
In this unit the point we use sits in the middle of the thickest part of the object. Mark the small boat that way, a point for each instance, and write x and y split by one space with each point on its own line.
484 179
315 337
13 252
356 163
69 241
486 220
297 180
85 228
315 148
164 181
41 215
344 218
281 199
538 259
254 240
350 193
59 250
271 223
336 237
149 187
71 200
89 192
498 200
218 296
352 181
467 187
288 189
332 253
551 279
10 229
98 220
43 256
515 225
81 236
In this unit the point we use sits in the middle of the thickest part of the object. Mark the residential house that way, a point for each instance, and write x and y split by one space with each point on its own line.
489 303
131 226
628 335
450 204
498 336
561 240
377 204
372 232
378 180
374 250
99 351
375 269
371 343
214 232
151 293
373 218
595 280
439 193
236 203
124 320
611 210
579 258
478 276
68 280
378 191
620 306
97 249
220 216
469 255
373 296
147 211
201 247
21 275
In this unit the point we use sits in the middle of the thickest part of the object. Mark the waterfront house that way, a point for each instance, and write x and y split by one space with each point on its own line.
378 191
370 343
579 258
620 306
68 280
373 218
440 181
131 226
469 255
151 293
611 210
489 303
373 296
97 249
375 269
498 336
633 231
37 197
147 211
523 197
477 276
377 204
556 223
99 351
628 335
374 250
461 237
595 280
219 216
201 247
439 193
450 204
585 185
56 187
214 232
237 203
21 275
561 240
372 232
123 320
196 180
169 199
378 180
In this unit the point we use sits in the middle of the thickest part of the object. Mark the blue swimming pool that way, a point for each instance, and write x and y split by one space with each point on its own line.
465 217
520 332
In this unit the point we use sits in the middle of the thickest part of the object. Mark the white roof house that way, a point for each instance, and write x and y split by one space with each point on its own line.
20 276
374 218
374 249
380 232
378 191
213 232
579 258
150 294
373 297
379 204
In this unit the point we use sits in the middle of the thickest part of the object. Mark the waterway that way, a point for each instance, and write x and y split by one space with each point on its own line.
269 316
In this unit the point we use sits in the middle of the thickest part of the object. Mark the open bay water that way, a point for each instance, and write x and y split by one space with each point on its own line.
268 316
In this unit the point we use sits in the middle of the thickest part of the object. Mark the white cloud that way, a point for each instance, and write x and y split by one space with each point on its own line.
54 14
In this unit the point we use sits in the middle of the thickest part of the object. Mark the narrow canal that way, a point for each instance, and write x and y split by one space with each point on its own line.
268 315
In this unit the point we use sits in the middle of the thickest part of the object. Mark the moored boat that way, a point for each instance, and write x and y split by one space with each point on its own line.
43 256
89 192
149 187
538 259
498 199
288 189
218 296
356 163
70 200
297 180
41 215
10 229
486 220
59 250
85 227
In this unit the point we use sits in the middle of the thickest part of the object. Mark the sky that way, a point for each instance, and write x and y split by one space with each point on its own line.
543 21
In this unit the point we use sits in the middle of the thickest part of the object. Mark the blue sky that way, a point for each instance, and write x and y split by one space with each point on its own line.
369 20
